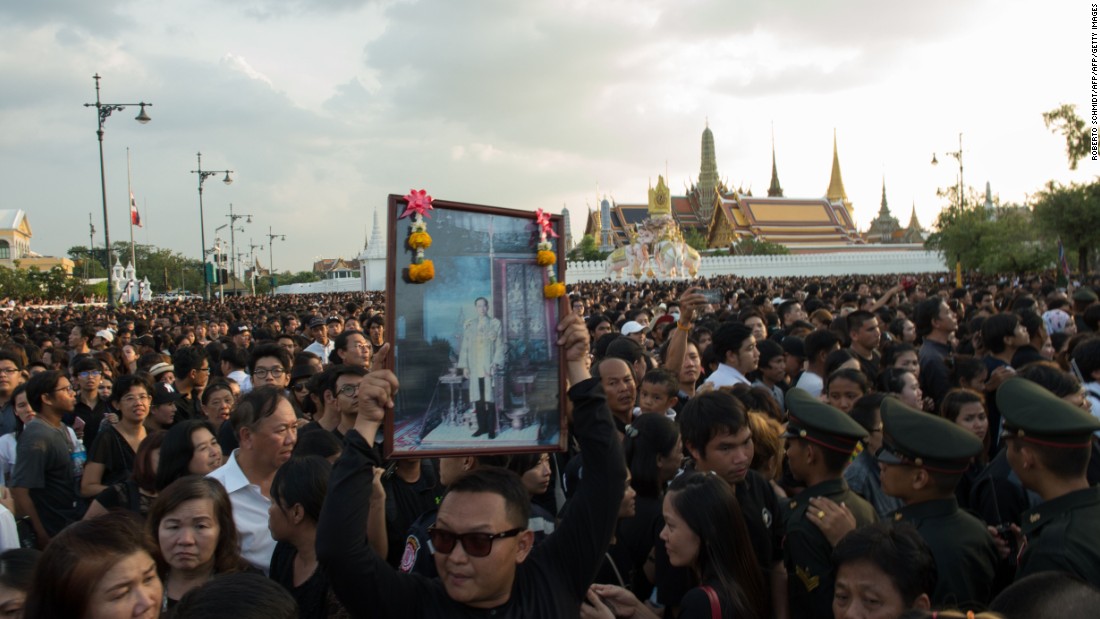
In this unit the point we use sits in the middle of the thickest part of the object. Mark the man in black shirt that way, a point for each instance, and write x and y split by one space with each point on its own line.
715 431
483 549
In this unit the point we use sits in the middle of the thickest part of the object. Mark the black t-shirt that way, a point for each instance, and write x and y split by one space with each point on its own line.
314 597
92 418
44 465
405 502
115 454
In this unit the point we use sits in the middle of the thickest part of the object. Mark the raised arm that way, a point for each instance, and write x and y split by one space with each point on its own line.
576 549
677 342
885 298
362 580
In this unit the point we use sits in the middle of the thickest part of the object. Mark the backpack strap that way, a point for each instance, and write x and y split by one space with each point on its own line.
715 607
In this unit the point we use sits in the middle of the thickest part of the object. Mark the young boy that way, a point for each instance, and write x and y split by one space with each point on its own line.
658 394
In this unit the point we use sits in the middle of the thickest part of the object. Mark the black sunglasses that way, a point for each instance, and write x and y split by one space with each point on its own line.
300 387
475 544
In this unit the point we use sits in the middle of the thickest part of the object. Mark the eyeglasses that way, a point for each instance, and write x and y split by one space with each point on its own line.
8 371
475 544
348 390
301 387
68 388
205 369
135 398
90 374
263 372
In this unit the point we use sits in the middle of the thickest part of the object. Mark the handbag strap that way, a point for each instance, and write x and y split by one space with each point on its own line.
715 607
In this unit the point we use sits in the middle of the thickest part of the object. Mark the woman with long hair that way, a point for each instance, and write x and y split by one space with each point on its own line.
192 521
297 495
704 531
653 453
966 408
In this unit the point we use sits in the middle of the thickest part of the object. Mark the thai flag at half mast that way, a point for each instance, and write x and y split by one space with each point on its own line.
135 217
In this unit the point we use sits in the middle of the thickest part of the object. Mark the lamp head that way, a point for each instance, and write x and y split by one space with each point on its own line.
143 117
249 220
227 180
934 160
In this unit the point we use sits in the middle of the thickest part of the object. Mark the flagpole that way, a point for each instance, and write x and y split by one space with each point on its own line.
130 191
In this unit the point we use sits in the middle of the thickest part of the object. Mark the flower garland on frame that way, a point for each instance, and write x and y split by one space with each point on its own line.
418 203
546 256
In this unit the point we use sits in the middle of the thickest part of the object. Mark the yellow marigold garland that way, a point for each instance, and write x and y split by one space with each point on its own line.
418 205
546 257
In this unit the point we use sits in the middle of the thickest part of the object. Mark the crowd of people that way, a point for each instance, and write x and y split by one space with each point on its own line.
861 446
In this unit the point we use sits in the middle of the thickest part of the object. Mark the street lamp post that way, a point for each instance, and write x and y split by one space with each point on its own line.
958 154
961 195
271 238
233 239
203 175
104 110
252 258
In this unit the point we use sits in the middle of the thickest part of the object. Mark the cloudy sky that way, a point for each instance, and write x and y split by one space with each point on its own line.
323 107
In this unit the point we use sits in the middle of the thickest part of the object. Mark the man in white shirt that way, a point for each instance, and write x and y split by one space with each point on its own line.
735 347
817 345
322 346
267 429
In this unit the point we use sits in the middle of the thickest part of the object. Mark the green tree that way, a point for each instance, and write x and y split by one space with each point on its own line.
166 269
1071 213
1064 120
695 239
587 249
54 284
1000 239
753 247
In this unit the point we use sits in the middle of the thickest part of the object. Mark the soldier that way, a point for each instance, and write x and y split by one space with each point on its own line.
820 442
1049 443
481 356
923 457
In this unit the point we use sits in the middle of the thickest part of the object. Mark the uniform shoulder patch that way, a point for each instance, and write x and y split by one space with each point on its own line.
412 548
808 581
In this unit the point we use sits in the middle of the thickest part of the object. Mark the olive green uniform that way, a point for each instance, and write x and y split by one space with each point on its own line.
965 555
1061 532
807 554
1061 536
964 552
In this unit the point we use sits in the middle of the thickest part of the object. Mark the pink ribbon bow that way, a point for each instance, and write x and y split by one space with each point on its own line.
419 202
545 226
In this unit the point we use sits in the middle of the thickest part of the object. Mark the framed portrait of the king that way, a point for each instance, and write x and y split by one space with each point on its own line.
474 345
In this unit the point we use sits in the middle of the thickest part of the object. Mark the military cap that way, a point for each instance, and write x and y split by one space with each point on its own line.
1086 294
914 437
1036 415
812 420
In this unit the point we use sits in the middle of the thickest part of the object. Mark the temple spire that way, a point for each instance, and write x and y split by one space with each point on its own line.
836 191
884 210
708 175
774 190
913 223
